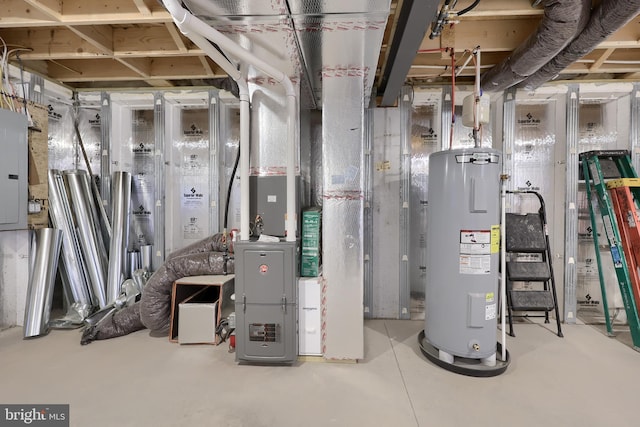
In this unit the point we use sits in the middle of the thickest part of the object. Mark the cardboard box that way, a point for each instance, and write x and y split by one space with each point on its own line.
197 322
309 263
201 289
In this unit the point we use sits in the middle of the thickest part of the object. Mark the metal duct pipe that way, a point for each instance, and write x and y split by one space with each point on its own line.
41 282
563 20
605 20
89 234
121 202
72 266
189 24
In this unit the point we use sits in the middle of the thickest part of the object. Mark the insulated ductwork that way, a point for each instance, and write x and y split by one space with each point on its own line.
608 18
563 20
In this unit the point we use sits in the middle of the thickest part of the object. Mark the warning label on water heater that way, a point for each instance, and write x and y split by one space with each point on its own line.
475 251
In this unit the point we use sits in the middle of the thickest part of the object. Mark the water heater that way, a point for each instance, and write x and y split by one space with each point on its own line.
463 242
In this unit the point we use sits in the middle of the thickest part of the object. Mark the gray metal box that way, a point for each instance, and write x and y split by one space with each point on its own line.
13 170
266 301
268 198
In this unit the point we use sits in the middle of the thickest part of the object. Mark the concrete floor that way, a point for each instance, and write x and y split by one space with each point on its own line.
584 379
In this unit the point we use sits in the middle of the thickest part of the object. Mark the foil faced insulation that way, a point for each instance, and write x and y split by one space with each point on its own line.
41 283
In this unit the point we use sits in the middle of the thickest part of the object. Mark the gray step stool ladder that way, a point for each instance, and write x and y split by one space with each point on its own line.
527 234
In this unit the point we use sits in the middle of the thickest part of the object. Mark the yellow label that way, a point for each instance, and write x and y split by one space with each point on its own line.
495 239
490 297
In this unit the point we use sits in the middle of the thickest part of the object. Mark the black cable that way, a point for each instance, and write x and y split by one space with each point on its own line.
233 175
468 8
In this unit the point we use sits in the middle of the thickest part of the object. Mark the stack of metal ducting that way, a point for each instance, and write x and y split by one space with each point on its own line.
89 235
87 271
72 267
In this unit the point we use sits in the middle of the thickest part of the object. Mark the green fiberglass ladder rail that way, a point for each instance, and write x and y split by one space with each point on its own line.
596 167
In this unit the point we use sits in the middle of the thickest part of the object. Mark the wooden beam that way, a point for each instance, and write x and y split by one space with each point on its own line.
50 8
51 43
143 38
142 7
17 13
141 66
603 57
497 35
175 35
159 83
99 36
205 64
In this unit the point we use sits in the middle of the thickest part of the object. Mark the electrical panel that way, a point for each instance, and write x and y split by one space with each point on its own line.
13 170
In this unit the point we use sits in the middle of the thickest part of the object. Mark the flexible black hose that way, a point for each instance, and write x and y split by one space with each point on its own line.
468 8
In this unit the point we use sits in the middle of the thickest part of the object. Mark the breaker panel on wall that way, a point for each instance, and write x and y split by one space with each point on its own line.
13 170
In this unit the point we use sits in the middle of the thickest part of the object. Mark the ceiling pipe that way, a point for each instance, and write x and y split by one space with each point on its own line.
191 25
562 21
605 20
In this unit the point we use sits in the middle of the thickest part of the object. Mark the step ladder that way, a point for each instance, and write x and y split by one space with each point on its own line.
527 236
617 189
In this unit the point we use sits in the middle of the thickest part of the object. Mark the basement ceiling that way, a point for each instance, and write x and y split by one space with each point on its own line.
100 44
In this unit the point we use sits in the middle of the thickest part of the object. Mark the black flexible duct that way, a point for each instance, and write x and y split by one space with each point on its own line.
608 18
563 20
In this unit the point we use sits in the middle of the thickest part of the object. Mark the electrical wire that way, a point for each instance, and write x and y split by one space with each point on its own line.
468 8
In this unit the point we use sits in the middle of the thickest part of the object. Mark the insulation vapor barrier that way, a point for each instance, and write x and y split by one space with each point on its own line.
425 137
153 311
189 197
42 279
63 152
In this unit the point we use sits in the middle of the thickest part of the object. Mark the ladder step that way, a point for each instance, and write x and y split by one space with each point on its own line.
528 271
531 300
525 233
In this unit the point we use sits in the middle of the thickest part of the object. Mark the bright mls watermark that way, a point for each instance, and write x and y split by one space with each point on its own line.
34 415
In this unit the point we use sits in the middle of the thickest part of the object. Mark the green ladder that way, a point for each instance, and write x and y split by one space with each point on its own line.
596 167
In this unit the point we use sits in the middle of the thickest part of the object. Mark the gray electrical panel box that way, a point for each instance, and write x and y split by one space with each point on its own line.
266 301
13 170
268 198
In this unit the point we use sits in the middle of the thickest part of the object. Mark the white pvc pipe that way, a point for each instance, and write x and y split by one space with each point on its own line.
503 268
476 106
189 25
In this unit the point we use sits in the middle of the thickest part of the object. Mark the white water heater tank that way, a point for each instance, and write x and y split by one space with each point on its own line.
463 239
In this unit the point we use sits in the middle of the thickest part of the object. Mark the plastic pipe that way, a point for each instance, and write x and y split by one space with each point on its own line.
503 266
245 122
189 25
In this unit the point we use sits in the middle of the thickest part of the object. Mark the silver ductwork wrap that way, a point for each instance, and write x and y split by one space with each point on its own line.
208 256
41 282
563 20
606 19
